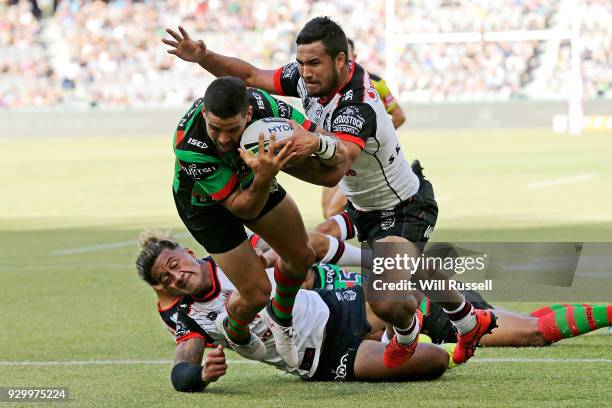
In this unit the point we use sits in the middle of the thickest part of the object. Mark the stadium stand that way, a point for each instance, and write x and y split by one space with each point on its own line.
107 54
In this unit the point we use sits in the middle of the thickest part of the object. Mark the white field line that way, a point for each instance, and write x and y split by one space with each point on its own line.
66 265
541 360
561 180
102 247
249 362
103 362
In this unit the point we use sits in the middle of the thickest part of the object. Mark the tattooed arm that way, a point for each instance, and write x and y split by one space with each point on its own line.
188 374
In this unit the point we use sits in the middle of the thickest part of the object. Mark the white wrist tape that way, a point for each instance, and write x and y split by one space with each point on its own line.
327 147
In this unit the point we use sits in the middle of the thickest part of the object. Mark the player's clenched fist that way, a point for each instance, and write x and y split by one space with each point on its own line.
215 365
184 47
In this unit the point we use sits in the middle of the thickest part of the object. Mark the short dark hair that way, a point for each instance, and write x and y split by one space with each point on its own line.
152 243
327 31
351 43
226 97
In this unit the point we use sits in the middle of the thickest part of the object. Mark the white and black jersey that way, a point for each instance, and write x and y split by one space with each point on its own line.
169 315
380 178
196 319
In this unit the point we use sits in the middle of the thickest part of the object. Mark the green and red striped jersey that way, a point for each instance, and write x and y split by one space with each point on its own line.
206 175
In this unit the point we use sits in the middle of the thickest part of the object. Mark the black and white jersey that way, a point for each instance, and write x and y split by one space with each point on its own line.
169 315
380 178
196 319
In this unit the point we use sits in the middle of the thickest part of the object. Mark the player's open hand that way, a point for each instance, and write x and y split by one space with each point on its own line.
215 365
184 47
303 143
266 164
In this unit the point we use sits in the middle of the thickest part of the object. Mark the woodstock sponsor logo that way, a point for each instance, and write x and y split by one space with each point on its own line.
349 120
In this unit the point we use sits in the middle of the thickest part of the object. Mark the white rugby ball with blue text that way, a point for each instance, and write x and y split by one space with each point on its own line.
249 142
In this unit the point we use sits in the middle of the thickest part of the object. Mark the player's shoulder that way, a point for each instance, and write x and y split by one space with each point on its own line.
358 91
289 71
255 93
374 77
192 137
379 84
169 313
192 114
258 99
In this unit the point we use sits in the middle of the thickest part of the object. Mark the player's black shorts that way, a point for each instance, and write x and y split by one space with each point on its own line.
344 332
438 326
214 226
414 219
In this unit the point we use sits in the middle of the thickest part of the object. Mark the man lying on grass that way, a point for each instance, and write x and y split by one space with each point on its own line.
331 326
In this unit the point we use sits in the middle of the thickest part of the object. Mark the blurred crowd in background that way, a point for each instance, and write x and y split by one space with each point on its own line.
82 54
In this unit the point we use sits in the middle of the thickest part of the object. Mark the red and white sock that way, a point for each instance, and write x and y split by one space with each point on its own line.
347 228
385 338
407 336
463 318
341 253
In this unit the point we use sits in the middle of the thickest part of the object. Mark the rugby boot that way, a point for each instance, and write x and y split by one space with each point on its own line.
284 337
397 353
467 343
417 168
254 349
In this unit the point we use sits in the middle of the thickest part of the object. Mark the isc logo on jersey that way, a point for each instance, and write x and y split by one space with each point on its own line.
198 143
249 142
260 103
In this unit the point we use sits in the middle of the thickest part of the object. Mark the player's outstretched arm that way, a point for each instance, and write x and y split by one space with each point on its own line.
196 51
188 373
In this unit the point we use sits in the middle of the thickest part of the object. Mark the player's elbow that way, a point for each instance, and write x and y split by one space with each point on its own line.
330 182
333 177
254 78
250 79
398 118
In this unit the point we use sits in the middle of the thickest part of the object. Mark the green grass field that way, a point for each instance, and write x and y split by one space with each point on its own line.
70 208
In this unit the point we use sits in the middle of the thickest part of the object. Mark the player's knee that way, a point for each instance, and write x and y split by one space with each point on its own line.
319 244
326 227
394 239
257 296
395 312
529 334
438 362
304 259
536 338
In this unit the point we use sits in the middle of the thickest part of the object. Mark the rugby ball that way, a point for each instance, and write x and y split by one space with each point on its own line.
249 142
